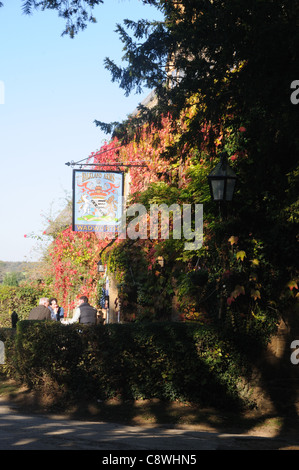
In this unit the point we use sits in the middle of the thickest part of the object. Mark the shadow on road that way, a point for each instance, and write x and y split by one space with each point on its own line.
25 431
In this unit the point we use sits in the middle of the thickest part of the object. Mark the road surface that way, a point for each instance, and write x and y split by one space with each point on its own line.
27 431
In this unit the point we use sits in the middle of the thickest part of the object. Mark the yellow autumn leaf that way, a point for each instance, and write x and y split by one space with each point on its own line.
255 262
233 240
241 255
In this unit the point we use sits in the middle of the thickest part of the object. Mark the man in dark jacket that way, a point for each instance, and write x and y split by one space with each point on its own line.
84 312
41 312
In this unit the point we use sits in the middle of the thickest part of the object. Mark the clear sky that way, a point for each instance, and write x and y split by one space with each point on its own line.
51 90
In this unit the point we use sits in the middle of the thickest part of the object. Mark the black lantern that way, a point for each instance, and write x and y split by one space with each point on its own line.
101 267
222 180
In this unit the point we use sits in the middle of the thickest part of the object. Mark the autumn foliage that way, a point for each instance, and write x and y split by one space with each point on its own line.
233 276
74 257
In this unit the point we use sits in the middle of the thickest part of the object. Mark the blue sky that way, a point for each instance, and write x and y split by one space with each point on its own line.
54 87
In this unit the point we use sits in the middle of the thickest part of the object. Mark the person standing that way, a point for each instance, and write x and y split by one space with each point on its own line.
14 319
84 313
41 312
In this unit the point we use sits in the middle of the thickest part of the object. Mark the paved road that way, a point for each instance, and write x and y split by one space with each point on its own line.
41 432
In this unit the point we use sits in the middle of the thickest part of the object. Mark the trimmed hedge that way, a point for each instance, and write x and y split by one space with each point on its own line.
169 361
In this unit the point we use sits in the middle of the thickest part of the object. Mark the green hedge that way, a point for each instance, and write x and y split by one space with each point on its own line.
19 298
169 361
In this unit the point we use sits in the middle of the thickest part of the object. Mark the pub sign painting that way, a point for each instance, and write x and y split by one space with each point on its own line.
97 201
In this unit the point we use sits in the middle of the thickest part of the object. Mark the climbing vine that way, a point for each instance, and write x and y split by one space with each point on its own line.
73 265
231 278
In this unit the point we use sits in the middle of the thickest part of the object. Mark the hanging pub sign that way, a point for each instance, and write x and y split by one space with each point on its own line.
97 201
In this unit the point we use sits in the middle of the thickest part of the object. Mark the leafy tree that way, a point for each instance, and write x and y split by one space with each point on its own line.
233 63
236 56
10 279
77 13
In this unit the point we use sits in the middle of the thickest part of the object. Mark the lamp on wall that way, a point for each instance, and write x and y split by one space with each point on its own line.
101 267
222 180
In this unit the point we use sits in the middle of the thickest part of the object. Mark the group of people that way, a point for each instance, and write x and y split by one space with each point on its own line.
48 309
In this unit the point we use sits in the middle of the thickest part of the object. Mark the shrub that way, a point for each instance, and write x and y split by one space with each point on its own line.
168 361
19 298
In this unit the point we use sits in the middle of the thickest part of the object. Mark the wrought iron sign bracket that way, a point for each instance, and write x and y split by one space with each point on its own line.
118 165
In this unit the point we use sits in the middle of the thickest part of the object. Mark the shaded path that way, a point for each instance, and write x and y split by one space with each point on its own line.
19 430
